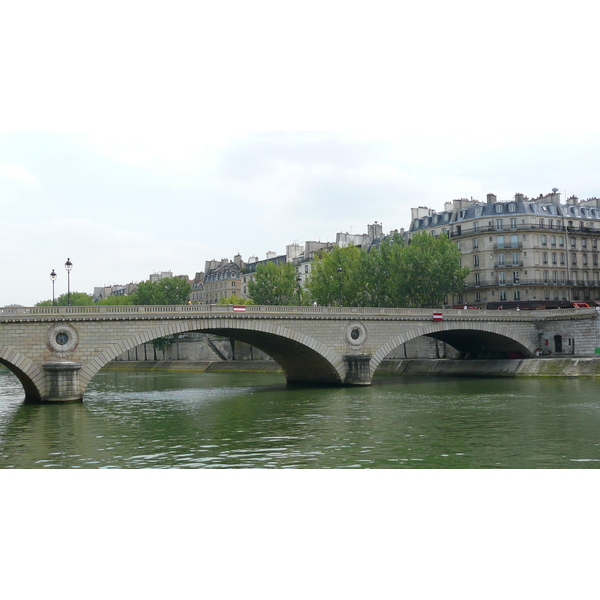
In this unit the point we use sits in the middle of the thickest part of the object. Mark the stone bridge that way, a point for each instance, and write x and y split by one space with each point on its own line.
56 351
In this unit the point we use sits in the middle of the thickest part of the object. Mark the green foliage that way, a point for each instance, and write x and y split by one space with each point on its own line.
170 290
431 269
77 299
116 301
419 274
235 300
274 285
162 343
330 286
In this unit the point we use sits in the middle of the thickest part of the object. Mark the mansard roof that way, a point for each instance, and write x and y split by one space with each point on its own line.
510 208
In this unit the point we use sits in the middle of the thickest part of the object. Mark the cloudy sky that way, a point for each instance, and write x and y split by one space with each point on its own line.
142 137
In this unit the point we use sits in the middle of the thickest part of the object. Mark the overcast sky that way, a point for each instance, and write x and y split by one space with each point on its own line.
141 138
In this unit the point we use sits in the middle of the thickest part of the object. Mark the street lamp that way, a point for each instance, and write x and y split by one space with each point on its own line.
339 270
68 267
518 294
53 277
299 282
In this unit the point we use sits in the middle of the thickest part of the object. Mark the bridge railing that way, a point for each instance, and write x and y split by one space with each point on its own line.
225 309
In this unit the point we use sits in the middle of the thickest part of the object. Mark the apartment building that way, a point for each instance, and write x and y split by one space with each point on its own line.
222 279
529 252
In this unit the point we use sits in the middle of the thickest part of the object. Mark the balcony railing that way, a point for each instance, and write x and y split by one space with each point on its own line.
507 265
531 227
534 282
509 246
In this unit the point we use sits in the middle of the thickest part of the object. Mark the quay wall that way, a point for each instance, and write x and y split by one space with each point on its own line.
531 367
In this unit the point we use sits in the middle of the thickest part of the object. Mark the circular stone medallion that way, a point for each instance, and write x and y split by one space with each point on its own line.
356 334
62 339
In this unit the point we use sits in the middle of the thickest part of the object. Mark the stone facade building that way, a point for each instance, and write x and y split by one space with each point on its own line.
222 279
535 252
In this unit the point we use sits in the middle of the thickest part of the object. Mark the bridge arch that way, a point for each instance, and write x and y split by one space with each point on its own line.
301 357
465 337
27 372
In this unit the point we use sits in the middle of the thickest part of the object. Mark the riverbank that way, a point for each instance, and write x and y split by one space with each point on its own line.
531 367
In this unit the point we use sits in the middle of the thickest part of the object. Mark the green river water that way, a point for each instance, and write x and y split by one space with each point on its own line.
249 420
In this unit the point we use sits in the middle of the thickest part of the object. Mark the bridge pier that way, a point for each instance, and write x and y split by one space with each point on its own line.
358 369
62 381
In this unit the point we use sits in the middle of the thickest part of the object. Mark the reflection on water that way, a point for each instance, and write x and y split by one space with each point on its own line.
223 420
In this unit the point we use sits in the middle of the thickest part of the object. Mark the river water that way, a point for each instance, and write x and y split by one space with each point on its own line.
247 420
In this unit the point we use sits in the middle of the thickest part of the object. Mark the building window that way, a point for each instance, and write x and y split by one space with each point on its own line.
553 240
499 224
583 242
501 278
561 241
594 243
574 259
500 241
477 296
512 207
562 258
477 281
501 260
516 294
475 243
584 260
545 258
498 208
513 223
544 241
515 258
550 224
476 260
554 277
595 261
503 295
573 241
514 241
546 279
475 226
554 258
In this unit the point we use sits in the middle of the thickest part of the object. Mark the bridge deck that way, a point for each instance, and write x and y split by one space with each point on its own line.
46 313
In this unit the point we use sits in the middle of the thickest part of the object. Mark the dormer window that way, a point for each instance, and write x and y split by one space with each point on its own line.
512 207
498 208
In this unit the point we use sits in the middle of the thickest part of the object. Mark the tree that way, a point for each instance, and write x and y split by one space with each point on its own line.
77 299
233 299
116 301
419 274
169 290
334 277
379 273
274 284
430 267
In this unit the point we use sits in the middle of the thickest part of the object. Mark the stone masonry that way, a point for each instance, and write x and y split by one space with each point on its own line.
322 344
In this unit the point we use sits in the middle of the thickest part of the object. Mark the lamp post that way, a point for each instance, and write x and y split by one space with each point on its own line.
68 267
53 278
339 270
518 293
299 282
